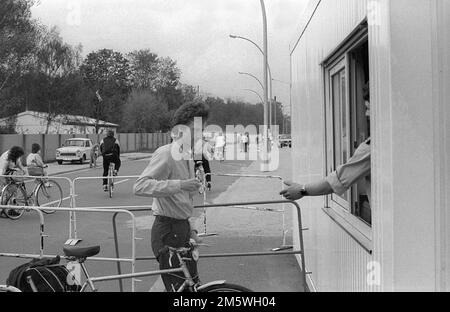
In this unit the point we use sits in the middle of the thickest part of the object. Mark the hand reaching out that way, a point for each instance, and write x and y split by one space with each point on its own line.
293 192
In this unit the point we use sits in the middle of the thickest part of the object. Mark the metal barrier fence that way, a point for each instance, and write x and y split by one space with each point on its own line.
129 209
71 196
131 260
248 254
73 220
41 228
283 246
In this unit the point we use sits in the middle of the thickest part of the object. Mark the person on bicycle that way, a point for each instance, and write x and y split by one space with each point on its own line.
9 162
170 181
110 150
35 164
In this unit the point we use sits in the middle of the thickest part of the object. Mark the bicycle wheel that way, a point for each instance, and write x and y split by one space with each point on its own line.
49 196
14 195
111 180
225 287
110 186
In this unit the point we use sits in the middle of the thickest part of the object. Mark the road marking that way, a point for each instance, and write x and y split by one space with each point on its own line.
122 181
55 201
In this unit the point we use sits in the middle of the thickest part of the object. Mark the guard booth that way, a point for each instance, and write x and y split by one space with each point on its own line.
398 238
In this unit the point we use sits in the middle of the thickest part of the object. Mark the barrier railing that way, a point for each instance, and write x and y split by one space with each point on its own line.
131 260
73 220
129 209
41 224
283 246
28 178
247 254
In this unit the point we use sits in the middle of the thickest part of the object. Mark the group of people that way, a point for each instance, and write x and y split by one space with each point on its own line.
243 141
10 161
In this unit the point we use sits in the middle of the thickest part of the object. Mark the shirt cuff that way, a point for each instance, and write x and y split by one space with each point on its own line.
177 185
336 184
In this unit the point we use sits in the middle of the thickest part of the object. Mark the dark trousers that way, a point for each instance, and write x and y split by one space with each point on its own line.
174 233
106 161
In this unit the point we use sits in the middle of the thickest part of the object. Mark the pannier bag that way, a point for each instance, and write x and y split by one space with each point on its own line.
46 275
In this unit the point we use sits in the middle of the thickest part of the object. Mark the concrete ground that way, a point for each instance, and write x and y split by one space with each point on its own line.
239 230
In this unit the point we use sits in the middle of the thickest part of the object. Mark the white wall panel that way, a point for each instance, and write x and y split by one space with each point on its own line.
409 44
336 261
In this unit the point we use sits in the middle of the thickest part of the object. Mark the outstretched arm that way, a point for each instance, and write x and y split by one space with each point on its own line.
294 190
338 181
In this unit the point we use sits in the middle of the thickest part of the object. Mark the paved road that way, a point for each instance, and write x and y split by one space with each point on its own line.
21 236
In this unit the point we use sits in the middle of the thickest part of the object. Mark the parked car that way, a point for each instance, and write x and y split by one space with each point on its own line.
74 150
284 140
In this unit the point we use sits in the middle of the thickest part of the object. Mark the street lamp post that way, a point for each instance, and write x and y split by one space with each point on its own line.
265 166
268 69
267 104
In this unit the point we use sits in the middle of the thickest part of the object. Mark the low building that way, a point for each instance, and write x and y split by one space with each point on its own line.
395 238
31 122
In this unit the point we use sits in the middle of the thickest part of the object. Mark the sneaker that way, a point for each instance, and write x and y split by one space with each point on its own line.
48 184
105 188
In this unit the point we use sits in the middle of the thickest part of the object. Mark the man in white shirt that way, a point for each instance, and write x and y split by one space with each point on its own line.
172 184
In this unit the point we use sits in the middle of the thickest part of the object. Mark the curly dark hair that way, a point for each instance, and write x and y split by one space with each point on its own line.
35 148
188 111
15 153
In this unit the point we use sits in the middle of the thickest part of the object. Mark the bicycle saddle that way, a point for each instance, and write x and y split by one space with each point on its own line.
81 252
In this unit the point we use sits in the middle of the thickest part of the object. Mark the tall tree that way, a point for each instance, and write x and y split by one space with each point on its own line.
144 69
56 64
108 73
145 112
18 37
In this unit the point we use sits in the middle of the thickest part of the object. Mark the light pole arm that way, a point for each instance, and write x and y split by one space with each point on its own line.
250 90
257 46
253 76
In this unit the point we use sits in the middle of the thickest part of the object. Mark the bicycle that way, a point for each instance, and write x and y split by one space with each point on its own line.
46 193
80 254
111 175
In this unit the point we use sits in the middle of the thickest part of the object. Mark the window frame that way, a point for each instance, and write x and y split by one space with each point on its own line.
340 65
337 208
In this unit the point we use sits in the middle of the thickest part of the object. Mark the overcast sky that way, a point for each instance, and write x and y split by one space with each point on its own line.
195 33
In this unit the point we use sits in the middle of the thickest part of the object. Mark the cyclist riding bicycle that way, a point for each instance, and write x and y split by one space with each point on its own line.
35 164
9 162
110 149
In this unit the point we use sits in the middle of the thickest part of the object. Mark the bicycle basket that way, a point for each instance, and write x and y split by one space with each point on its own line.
35 171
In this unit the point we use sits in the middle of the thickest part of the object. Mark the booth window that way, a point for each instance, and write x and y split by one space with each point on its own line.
347 121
